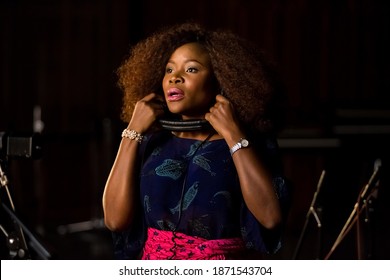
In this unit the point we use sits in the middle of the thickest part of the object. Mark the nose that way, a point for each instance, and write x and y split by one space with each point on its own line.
175 79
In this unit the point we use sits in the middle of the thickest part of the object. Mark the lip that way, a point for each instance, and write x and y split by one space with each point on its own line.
175 94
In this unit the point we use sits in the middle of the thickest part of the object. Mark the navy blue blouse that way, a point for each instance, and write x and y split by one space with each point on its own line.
192 187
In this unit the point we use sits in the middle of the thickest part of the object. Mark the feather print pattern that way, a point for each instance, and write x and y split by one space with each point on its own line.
203 163
189 196
170 168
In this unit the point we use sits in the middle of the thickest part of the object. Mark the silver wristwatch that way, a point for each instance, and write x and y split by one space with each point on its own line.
243 143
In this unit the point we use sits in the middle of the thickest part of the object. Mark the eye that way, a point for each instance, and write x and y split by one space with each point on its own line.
168 70
192 70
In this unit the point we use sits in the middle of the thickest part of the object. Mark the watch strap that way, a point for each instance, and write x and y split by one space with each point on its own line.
243 143
235 148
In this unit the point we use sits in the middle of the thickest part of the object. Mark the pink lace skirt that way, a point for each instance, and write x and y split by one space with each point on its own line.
163 245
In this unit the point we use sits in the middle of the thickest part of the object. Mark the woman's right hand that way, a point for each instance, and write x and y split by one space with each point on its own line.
146 112
120 197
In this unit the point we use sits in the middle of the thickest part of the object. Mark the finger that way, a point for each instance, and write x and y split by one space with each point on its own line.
153 100
149 97
153 97
210 118
218 107
221 98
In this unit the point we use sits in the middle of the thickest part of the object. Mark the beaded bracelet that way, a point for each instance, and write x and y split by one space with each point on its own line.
132 135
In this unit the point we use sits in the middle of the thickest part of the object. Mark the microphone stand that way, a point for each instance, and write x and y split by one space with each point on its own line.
312 211
16 241
364 196
34 243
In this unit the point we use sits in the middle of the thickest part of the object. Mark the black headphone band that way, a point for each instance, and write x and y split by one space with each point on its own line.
185 125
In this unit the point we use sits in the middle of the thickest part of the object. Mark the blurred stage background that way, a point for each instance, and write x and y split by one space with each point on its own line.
57 64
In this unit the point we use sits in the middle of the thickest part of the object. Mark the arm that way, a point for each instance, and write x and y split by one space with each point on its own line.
121 190
256 182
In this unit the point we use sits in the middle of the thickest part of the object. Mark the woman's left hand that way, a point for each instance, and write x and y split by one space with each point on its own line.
223 119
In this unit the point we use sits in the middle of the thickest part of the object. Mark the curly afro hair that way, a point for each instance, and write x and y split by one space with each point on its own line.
242 71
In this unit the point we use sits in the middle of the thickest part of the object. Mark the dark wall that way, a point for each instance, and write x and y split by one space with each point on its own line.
59 57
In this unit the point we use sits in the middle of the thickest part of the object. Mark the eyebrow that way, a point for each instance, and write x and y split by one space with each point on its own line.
186 61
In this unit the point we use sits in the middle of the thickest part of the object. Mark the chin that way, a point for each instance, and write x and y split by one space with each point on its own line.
188 114
175 108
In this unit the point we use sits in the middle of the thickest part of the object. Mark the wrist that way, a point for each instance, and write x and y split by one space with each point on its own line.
233 137
132 135
242 143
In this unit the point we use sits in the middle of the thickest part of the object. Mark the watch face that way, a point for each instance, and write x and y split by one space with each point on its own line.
244 143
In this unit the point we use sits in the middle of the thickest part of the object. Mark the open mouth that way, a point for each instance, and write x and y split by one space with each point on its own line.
175 94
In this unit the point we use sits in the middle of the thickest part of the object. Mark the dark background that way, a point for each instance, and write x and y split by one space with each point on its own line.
59 57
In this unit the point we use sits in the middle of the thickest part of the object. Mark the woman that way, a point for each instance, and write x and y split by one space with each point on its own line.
213 191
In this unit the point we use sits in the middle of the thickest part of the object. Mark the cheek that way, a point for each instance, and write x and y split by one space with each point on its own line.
165 86
206 97
164 82
208 90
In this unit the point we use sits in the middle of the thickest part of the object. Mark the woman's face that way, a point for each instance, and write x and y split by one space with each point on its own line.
189 85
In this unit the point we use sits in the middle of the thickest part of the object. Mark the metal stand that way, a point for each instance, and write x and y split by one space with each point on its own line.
312 211
365 196
16 241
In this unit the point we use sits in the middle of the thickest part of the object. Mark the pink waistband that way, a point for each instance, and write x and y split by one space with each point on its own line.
162 245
